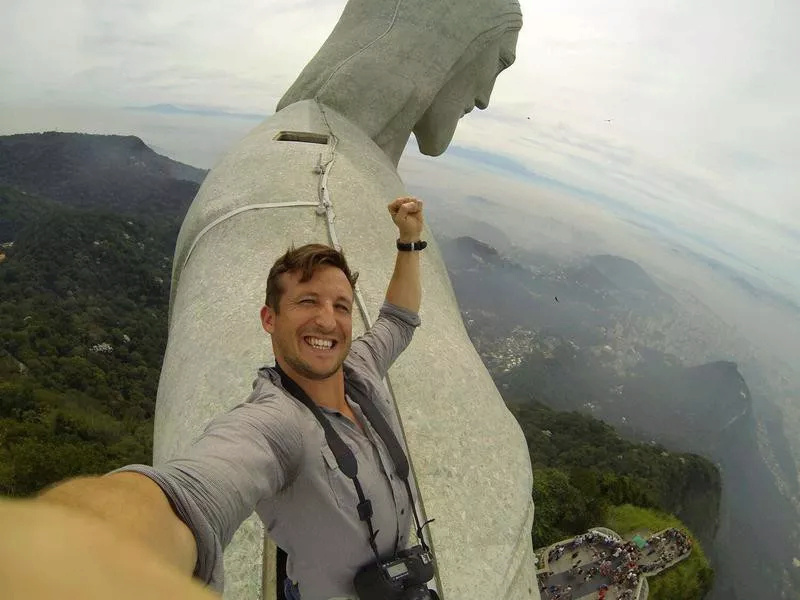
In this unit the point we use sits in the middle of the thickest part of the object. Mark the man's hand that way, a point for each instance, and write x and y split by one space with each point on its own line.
407 215
54 552
404 288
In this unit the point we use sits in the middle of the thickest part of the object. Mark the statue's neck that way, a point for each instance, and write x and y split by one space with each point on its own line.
394 149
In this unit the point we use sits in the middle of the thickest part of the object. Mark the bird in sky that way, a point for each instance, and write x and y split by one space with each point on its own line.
556 298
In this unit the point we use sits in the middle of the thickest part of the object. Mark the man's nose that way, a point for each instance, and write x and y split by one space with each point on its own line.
325 317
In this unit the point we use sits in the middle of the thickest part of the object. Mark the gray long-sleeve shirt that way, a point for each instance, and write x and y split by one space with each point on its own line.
269 454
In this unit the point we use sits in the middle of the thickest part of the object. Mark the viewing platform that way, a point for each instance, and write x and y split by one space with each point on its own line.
601 564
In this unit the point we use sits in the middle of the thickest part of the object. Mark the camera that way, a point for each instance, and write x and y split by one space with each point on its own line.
402 577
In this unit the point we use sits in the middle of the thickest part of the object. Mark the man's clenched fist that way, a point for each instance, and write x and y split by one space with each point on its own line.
407 215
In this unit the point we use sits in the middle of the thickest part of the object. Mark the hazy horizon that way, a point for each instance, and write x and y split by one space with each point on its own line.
201 140
557 216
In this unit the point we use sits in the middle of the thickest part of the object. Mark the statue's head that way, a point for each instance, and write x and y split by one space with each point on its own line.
397 66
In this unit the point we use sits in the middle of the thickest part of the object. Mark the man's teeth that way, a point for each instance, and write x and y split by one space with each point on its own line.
320 343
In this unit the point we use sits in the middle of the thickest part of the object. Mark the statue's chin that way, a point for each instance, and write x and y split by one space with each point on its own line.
429 150
432 145
435 130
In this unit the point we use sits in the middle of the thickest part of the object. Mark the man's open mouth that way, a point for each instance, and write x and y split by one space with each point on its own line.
319 343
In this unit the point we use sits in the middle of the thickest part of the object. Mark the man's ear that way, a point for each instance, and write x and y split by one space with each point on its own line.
267 319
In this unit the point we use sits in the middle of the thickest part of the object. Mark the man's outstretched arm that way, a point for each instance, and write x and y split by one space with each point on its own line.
133 505
123 535
59 546
405 289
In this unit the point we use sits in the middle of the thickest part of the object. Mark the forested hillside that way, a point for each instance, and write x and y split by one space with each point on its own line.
582 467
87 230
83 299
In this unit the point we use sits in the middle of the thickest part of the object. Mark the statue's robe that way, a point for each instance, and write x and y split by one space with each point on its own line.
468 453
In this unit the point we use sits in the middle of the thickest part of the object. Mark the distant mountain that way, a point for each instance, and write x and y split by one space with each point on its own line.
87 231
591 333
478 248
116 173
611 346
593 294
620 273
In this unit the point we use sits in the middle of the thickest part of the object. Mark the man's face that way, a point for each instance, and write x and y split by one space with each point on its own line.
312 331
470 87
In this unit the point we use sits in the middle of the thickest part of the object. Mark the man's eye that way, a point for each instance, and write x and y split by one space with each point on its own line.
344 308
307 301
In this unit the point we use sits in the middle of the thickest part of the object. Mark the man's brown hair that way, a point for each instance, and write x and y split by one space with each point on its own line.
305 260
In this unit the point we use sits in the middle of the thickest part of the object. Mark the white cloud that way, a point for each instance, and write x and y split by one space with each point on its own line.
232 54
703 97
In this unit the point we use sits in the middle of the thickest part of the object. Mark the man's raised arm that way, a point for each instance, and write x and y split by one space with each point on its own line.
405 289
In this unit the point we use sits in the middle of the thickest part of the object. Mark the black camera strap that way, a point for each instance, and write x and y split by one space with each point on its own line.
344 456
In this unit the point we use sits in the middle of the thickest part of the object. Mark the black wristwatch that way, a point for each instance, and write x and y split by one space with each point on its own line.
411 246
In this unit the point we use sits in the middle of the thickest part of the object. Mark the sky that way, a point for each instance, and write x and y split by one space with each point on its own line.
682 117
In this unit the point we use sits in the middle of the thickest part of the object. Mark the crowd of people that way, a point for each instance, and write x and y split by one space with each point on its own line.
618 563
590 538
671 545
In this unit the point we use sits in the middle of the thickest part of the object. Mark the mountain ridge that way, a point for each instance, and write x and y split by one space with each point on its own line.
109 172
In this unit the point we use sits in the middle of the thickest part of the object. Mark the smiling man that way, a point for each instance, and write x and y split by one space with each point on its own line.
308 314
308 311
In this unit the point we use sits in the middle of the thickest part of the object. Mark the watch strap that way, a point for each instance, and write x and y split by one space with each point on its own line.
411 246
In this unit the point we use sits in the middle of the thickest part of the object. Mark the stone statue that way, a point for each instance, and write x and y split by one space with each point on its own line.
394 67
322 169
